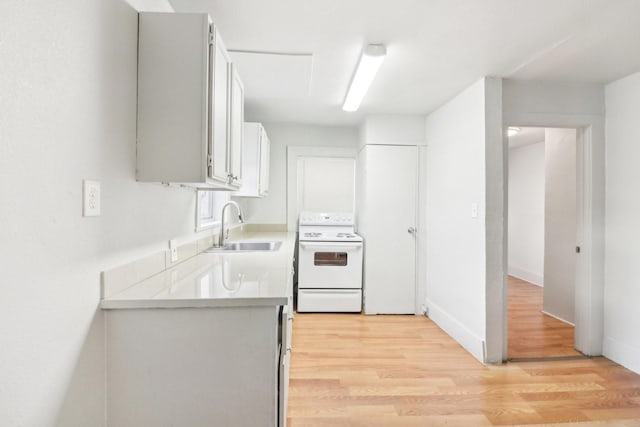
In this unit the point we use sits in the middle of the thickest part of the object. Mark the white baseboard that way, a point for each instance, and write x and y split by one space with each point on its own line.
527 276
456 330
621 353
559 318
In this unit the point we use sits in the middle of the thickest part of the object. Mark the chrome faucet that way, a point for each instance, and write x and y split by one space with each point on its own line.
221 237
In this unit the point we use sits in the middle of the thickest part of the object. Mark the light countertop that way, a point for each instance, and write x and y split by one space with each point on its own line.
218 279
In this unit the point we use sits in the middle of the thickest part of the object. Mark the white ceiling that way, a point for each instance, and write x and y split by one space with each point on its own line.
436 48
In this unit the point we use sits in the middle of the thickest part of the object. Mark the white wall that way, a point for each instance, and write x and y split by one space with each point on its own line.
326 184
622 293
560 224
526 212
455 253
68 112
273 208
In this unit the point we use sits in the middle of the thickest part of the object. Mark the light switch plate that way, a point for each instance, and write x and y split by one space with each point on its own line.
90 198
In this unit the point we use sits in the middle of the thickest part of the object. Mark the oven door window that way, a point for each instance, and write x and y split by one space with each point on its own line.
334 259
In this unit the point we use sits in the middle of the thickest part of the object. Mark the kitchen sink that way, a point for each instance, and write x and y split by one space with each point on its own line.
247 247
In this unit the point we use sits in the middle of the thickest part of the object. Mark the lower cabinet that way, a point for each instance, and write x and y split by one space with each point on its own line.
283 374
286 323
194 367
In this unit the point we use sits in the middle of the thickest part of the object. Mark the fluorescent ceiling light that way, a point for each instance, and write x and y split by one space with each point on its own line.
512 130
370 61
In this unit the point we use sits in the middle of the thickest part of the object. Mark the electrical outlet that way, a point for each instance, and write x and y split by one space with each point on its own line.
90 198
173 248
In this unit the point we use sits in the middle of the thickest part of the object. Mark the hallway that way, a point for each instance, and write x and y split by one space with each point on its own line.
533 334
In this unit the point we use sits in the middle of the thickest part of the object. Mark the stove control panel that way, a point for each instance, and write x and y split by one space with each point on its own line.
326 218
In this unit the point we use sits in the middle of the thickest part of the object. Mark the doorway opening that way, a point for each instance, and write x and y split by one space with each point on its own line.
542 212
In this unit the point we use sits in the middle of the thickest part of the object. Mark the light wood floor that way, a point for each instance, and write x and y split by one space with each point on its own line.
531 332
357 370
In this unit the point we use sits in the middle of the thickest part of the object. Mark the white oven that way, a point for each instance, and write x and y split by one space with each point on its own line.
334 265
329 263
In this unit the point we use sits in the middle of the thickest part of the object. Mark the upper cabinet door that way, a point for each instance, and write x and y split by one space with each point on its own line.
255 161
173 74
184 101
236 127
218 145
265 155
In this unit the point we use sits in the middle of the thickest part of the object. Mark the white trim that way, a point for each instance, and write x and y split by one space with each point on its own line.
558 318
421 251
589 294
467 339
209 219
526 275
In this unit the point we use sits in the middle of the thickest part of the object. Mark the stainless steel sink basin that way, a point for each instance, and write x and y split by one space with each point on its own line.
247 247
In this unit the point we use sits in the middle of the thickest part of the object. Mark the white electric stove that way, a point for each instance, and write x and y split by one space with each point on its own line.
329 263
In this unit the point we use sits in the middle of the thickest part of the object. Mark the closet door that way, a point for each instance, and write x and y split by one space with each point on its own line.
387 194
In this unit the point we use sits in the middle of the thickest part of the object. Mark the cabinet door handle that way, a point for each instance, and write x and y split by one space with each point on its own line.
411 230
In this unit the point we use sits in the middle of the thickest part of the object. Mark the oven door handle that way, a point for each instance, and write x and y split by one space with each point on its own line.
337 246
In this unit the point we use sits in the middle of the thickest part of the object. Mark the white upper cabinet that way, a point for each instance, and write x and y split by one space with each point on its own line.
255 152
184 102
236 127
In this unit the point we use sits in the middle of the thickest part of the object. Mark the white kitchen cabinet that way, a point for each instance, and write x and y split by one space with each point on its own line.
200 366
218 144
236 127
285 355
256 157
184 90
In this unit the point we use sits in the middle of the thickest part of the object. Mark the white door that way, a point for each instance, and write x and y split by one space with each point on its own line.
560 224
236 127
387 195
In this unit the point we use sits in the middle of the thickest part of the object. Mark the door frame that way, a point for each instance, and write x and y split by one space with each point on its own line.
578 141
589 293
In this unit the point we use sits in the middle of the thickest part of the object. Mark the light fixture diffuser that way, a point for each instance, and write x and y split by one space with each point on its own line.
370 61
512 130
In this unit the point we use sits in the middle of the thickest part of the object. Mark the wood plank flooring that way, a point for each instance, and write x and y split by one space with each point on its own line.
357 370
531 332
